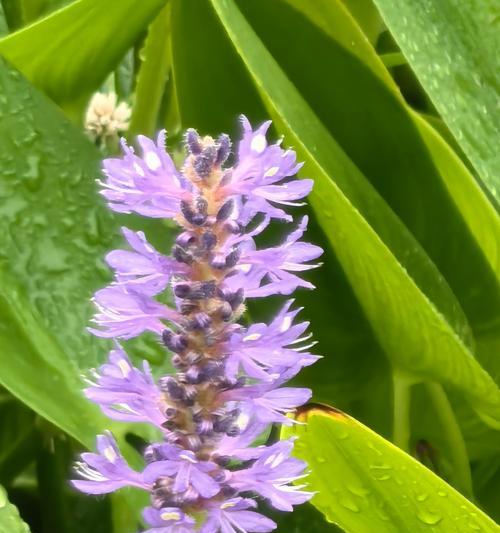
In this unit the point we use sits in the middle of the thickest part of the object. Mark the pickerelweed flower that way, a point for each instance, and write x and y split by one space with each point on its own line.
228 386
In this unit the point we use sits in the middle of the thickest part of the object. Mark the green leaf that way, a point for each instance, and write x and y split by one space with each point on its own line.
70 53
199 48
153 73
54 234
460 230
366 238
450 48
10 521
19 13
366 484
410 168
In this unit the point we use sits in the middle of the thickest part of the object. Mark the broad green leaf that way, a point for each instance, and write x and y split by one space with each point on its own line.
153 73
223 89
412 332
54 233
70 53
413 177
365 484
377 130
451 47
10 521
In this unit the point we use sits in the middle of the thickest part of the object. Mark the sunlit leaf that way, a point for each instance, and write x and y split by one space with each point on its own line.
70 53
450 48
364 483
407 324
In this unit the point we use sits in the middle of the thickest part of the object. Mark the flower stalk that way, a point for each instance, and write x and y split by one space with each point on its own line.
229 381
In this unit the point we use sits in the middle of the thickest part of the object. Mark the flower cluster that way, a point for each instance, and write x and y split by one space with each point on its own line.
228 386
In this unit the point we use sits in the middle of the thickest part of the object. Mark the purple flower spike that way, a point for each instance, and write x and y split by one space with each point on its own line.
230 380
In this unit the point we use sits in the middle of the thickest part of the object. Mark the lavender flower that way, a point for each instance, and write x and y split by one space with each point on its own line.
228 386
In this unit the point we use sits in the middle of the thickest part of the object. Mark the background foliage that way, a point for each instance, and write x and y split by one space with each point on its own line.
393 106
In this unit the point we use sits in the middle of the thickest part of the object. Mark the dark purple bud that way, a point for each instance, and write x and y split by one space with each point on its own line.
151 454
232 258
188 306
171 387
178 362
171 412
205 427
228 492
225 211
208 240
201 205
194 442
186 238
221 476
193 358
182 289
198 219
233 431
222 460
226 311
192 141
200 321
224 146
175 343
208 289
186 210
226 178
233 298
192 375
218 262
182 256
211 370
232 227
190 392
203 163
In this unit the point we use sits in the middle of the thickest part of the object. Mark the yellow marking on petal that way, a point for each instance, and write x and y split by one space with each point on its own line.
138 169
252 337
124 367
110 454
152 160
285 326
173 515
258 144
271 172
227 505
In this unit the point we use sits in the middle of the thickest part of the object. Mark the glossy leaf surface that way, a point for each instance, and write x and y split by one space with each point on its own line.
367 484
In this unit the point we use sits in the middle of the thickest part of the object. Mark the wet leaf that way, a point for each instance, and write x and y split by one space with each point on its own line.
364 483
70 53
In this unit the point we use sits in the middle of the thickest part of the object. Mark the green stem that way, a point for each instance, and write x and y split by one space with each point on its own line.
401 412
451 430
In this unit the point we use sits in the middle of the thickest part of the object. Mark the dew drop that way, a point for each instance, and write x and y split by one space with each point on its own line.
429 518
348 504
